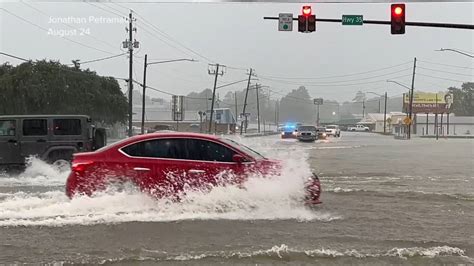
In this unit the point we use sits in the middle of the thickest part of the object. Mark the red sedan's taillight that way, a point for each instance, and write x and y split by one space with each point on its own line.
81 166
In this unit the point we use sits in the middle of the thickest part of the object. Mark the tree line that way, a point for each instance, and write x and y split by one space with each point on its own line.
48 87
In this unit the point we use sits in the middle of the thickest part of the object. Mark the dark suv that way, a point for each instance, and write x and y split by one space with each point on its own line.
52 138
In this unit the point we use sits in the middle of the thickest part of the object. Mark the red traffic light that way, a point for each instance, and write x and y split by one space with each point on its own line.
306 11
398 10
397 19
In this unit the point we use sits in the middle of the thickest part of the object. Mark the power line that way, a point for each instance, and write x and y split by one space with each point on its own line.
16 57
339 76
144 28
442 71
63 37
335 82
106 10
441 64
100 59
164 34
441 78
348 84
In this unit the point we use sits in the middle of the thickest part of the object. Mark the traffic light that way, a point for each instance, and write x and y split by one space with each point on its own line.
398 18
311 23
301 23
306 21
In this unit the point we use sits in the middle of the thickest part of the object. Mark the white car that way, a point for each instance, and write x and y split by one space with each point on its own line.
333 130
358 128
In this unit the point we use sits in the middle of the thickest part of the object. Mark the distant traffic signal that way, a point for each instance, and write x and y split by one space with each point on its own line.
397 18
306 21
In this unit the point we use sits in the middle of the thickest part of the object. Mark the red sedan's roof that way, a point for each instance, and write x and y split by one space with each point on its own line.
174 134
163 135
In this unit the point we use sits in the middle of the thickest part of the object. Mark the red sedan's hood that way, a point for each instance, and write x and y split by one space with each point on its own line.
269 167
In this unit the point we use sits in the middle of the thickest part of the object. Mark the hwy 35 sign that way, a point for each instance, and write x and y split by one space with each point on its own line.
285 22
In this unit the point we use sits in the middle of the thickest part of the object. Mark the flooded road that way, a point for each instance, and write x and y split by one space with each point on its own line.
385 201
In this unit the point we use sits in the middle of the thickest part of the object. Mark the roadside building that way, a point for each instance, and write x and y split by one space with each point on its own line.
454 125
374 121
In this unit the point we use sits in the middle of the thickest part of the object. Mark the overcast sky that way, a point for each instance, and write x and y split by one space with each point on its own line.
235 35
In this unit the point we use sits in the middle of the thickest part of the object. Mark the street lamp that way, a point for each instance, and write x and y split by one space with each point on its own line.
401 84
410 102
377 95
145 65
385 108
456 51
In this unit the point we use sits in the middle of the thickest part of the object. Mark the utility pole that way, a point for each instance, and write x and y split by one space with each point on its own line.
143 94
411 98
216 73
130 44
363 108
258 108
317 117
436 118
276 114
245 104
385 115
236 111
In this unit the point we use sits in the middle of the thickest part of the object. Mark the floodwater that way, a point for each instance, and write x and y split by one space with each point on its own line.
385 201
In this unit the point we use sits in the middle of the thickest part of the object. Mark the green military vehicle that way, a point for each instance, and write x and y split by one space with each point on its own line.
51 138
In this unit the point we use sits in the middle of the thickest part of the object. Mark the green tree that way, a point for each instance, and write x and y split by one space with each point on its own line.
463 99
44 87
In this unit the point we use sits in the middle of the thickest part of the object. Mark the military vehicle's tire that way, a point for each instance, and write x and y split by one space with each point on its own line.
61 160
62 165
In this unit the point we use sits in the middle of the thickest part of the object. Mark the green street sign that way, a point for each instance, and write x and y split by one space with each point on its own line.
352 20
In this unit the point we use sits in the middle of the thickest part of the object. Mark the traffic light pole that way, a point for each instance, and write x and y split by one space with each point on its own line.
386 22
385 115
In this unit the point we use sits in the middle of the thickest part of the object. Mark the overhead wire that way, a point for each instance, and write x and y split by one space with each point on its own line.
338 76
348 84
442 78
448 72
442 64
106 10
100 59
335 82
13 56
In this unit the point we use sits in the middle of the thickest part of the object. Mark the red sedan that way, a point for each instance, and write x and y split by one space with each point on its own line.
167 164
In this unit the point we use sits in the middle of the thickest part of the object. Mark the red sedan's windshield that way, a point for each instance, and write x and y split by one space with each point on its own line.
244 148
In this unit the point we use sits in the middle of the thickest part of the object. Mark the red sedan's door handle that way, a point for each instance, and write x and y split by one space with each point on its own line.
142 169
195 171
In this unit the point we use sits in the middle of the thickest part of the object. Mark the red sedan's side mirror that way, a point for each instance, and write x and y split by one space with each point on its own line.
238 158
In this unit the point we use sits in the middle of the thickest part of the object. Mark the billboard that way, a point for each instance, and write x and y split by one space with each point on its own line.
428 102
426 97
